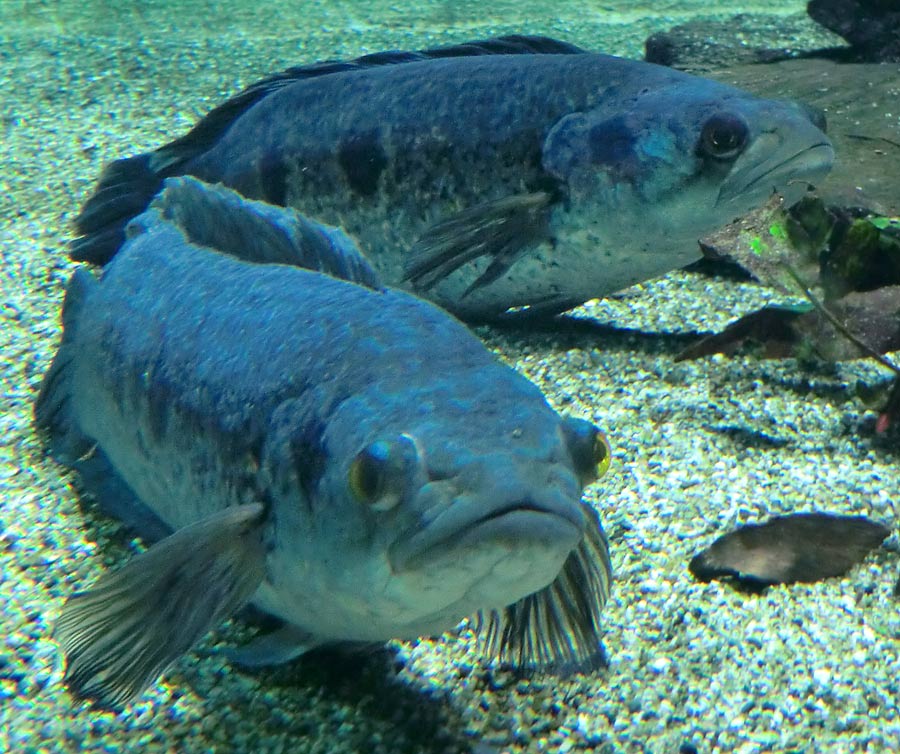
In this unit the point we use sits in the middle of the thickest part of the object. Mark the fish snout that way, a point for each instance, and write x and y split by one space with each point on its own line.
784 159
501 508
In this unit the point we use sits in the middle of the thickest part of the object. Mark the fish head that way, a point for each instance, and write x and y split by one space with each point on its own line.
681 161
491 526
422 518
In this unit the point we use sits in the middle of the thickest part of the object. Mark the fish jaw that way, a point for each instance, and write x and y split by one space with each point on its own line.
777 162
422 588
495 554
487 564
490 532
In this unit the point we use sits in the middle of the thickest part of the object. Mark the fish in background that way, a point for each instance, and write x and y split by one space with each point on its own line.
512 172
347 457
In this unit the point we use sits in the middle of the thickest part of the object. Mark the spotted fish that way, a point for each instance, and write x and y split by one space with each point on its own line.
511 172
346 457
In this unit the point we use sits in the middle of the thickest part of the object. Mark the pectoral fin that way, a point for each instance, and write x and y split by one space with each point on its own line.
501 229
557 628
120 634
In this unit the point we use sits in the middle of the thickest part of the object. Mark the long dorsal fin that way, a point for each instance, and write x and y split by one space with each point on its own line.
127 185
221 219
208 130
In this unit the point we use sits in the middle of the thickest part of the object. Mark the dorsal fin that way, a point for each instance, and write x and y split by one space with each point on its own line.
221 219
127 185
208 130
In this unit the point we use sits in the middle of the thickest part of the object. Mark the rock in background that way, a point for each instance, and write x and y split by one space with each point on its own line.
802 60
701 46
860 103
871 27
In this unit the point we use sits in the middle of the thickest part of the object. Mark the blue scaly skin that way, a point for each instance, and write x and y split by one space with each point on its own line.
517 171
348 457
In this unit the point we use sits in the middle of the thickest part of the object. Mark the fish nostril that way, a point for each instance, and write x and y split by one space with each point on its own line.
816 115
439 475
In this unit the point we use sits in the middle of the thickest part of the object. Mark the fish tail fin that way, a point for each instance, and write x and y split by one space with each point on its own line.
125 189
52 409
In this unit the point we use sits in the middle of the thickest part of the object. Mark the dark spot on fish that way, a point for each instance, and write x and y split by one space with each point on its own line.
363 159
273 181
614 148
158 410
309 458
414 169
801 547
611 142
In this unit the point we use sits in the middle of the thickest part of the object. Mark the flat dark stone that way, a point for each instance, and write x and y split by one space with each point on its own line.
800 547
860 99
699 46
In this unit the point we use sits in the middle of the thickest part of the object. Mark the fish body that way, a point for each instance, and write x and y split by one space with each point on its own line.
356 448
512 172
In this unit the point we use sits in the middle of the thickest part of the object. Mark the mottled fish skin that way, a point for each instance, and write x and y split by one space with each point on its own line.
636 162
210 382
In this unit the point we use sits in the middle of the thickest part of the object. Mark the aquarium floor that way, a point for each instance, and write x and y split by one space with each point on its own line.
698 448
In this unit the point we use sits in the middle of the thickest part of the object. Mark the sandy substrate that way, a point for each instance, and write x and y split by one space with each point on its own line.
699 448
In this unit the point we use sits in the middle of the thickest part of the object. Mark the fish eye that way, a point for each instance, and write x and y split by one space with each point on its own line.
380 472
366 476
723 136
602 454
589 448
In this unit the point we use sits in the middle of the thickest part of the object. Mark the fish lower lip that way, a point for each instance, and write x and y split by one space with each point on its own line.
517 519
812 163
518 525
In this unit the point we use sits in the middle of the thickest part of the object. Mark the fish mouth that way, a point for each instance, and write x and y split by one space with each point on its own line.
515 525
785 175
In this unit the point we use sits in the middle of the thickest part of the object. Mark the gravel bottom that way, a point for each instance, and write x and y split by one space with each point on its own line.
699 447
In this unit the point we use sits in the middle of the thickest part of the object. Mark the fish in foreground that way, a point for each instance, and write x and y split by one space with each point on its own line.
511 172
347 457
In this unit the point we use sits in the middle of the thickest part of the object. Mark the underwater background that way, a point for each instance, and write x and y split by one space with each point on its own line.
699 447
